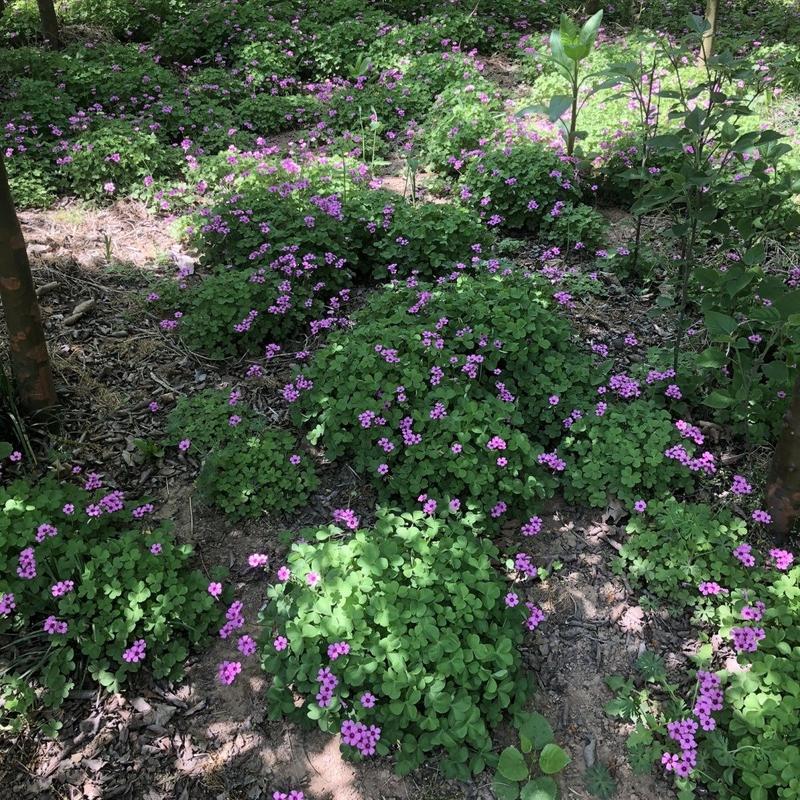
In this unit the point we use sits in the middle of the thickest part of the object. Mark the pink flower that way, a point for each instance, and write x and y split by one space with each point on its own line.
284 573
215 589
312 579
281 643
227 671
246 645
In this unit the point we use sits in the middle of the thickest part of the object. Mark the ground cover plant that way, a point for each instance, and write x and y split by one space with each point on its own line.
452 349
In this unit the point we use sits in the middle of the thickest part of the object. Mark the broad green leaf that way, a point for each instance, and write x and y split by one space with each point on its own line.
720 324
512 765
711 358
540 789
755 255
537 729
553 759
718 399
591 27
505 789
559 103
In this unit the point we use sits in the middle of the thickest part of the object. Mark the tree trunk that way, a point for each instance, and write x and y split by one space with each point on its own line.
47 12
783 481
709 36
30 361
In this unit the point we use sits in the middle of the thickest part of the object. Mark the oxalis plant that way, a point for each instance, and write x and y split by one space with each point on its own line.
525 772
569 45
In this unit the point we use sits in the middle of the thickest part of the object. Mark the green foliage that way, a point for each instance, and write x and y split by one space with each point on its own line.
462 117
751 320
114 160
759 741
288 218
428 239
31 183
521 184
576 224
253 474
265 113
261 60
504 322
204 419
755 740
122 592
569 45
676 546
517 769
420 605
621 454
599 783
107 71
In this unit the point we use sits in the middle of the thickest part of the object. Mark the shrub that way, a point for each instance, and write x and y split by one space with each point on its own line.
305 208
621 454
754 740
261 61
459 122
520 184
123 590
576 226
241 310
31 182
114 160
109 71
420 607
428 239
257 473
204 419
461 363
265 113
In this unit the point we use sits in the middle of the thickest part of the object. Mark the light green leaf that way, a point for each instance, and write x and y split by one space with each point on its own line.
553 759
512 765
540 789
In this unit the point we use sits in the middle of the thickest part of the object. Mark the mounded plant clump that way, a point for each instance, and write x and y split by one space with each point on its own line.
398 637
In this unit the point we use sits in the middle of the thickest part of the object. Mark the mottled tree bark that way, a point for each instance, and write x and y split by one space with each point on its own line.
47 12
783 481
30 361
712 7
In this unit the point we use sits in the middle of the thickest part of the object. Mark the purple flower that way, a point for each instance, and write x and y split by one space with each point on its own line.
136 652
227 672
781 559
215 589
284 573
246 645
280 643
367 700
7 604
744 553
640 506
53 625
